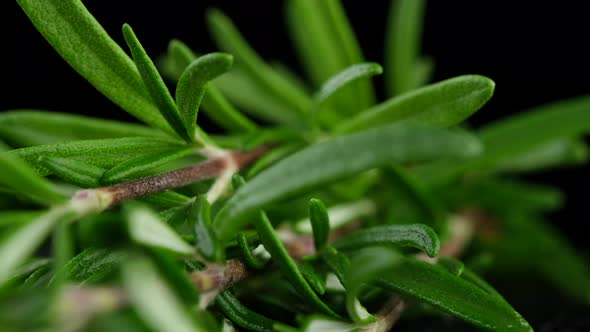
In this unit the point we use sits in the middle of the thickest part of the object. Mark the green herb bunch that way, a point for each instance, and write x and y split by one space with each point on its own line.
341 213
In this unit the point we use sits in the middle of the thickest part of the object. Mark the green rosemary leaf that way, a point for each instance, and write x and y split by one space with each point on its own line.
252 260
156 87
100 153
316 281
417 236
22 273
337 262
193 82
153 299
327 45
146 228
13 218
229 39
365 267
473 278
351 74
443 104
20 178
405 71
92 265
166 199
436 286
320 223
76 35
141 166
340 215
560 152
344 156
241 315
205 239
271 157
286 264
22 243
72 171
24 128
455 267
62 250
173 271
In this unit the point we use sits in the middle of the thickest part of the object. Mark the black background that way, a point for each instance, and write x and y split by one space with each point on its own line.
536 52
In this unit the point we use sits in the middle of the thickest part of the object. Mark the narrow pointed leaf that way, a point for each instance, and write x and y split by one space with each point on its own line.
20 178
25 127
436 286
340 215
443 104
345 77
320 223
155 85
16 217
315 280
153 299
402 46
72 171
452 265
205 238
241 315
62 250
417 236
252 260
166 199
146 228
327 162
100 153
193 83
230 40
286 264
76 35
141 166
92 265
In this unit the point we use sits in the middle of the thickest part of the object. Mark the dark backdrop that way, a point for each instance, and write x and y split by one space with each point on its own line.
534 51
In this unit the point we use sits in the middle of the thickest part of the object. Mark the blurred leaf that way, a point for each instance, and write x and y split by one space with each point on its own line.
328 324
166 199
271 157
326 162
241 315
436 286
287 266
12 218
24 128
20 178
452 265
313 278
101 153
63 249
345 77
253 261
405 70
205 239
156 87
141 166
146 228
320 223
153 300
228 38
418 236
442 104
176 276
72 171
92 265
76 35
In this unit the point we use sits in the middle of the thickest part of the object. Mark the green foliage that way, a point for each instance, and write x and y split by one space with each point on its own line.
365 198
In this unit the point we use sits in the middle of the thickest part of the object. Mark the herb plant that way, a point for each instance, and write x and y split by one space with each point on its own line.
340 213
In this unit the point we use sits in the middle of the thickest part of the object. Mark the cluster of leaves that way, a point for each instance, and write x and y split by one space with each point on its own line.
374 186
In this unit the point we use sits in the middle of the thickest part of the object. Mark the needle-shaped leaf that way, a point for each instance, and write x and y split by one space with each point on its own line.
241 315
286 264
23 242
315 280
340 215
320 223
92 265
20 178
271 157
32 127
76 35
156 87
141 166
16 217
404 69
443 104
323 163
193 83
62 250
417 236
351 74
452 265
172 270
100 153
364 268
73 171
252 260
326 45
436 286
146 228
205 238
228 38
153 299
